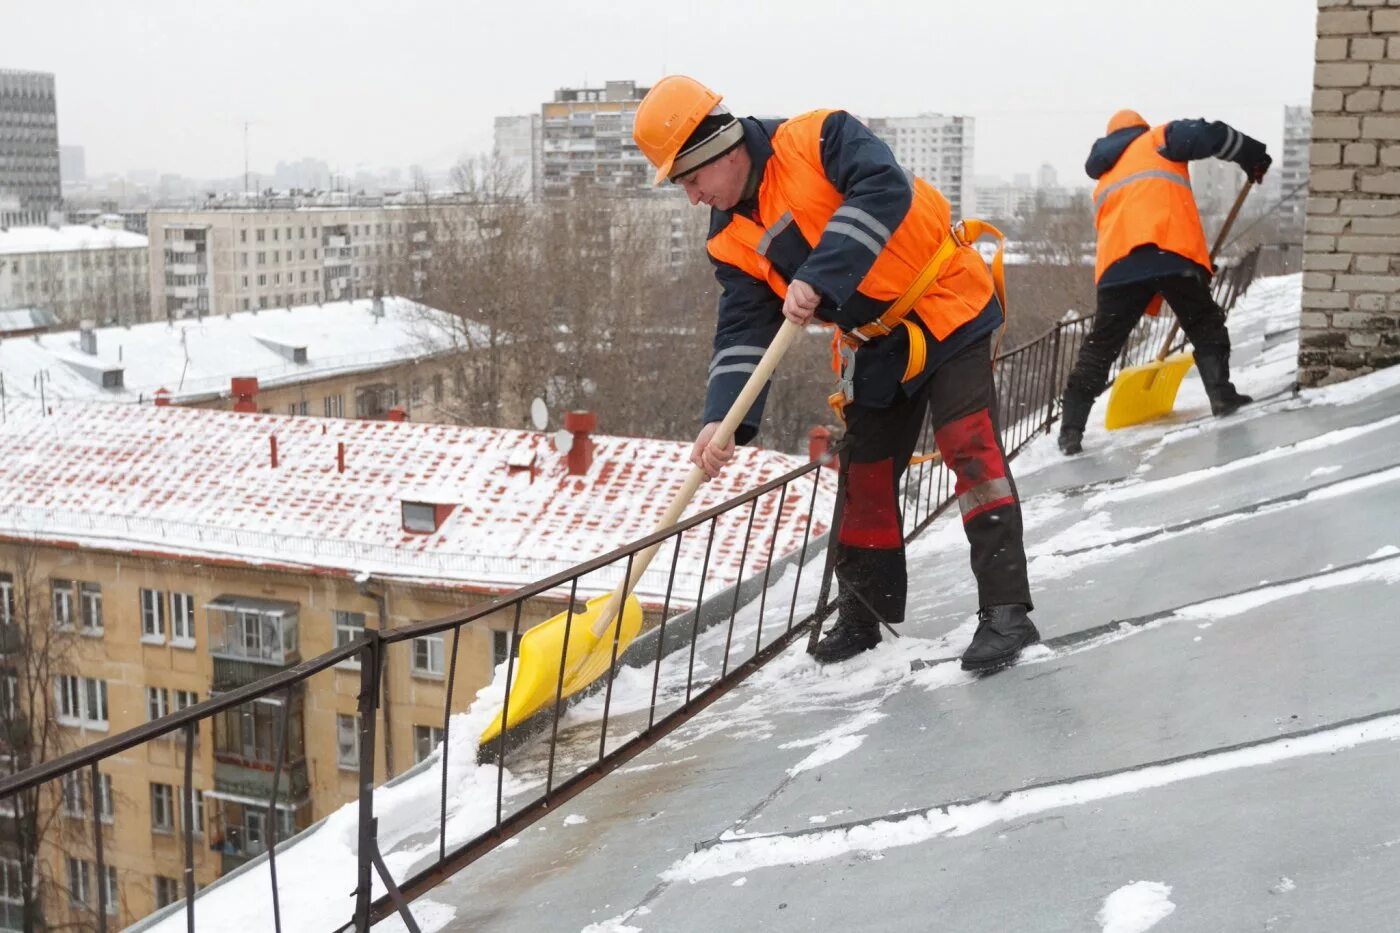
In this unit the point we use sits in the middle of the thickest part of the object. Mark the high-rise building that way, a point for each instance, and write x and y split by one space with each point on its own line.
518 148
586 140
1293 173
936 147
29 169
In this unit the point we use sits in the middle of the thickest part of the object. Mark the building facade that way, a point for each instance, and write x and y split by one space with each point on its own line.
1293 170
223 559
30 186
76 273
518 147
222 260
938 148
1351 247
586 141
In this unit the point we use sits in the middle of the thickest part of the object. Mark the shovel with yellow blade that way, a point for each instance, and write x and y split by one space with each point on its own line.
563 655
1142 393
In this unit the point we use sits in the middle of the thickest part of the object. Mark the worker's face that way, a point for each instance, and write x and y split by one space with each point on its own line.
719 184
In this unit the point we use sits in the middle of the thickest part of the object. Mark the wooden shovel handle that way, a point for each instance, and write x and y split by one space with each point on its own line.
722 436
1214 251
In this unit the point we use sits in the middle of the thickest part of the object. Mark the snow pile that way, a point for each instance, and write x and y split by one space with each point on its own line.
1136 907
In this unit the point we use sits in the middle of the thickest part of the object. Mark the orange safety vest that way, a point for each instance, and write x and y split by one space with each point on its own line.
1146 198
794 189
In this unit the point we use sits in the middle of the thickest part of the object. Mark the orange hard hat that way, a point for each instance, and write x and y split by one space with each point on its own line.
1124 119
670 112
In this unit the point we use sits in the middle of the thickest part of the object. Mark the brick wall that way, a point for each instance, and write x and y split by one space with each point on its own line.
1351 251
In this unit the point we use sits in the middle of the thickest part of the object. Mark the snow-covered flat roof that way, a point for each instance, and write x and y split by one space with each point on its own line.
197 483
66 238
196 358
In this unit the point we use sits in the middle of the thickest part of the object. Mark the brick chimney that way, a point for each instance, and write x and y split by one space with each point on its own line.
162 397
245 393
397 413
818 443
580 424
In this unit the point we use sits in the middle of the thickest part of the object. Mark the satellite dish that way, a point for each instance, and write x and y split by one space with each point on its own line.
563 441
539 415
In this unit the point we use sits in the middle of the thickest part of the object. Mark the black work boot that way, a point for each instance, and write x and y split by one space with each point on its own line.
1002 631
846 640
1074 415
1225 399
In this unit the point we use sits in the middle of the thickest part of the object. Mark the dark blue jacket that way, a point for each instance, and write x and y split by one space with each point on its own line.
864 170
1187 140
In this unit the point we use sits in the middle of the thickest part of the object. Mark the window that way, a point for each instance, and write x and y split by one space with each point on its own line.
105 812
152 615
82 701
247 735
167 891
437 387
427 655
243 236
420 517
162 808
196 805
9 695
348 626
157 702
112 890
74 795
182 620
334 406
426 739
11 895
499 640
90 599
63 603
7 599
78 881
347 741
261 236
185 699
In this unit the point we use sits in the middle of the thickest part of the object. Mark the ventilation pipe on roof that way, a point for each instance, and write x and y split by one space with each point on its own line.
87 337
397 413
819 444
580 456
162 397
245 391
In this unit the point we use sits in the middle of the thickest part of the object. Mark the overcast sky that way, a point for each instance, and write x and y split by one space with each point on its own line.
168 84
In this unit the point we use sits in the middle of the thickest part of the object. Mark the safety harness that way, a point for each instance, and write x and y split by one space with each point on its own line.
844 343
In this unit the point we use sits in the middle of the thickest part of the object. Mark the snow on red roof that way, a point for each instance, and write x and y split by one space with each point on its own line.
197 483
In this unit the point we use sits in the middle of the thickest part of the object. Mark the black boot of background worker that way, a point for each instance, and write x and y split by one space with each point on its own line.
1214 368
1002 631
1074 415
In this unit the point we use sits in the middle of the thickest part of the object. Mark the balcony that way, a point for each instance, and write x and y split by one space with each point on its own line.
248 635
183 268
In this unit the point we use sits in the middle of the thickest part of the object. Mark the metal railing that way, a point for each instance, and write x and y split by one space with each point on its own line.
682 664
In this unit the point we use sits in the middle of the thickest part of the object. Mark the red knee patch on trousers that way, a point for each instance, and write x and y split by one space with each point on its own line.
869 518
969 447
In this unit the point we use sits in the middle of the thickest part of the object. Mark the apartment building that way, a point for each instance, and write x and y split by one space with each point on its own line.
1293 172
586 140
180 553
348 359
284 252
75 272
30 185
936 147
518 147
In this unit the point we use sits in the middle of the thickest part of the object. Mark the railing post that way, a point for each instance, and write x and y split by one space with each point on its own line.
1054 379
372 657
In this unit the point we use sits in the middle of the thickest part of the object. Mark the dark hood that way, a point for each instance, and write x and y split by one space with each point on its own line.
1107 150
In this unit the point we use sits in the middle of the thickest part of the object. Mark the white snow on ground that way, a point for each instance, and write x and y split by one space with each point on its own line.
748 854
1136 907
575 819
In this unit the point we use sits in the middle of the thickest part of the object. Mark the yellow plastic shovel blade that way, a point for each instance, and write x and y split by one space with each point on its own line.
535 683
1141 393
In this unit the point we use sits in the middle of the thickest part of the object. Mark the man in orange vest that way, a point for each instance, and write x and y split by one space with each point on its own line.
1151 243
812 219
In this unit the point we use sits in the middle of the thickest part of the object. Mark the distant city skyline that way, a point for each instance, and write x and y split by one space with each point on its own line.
422 83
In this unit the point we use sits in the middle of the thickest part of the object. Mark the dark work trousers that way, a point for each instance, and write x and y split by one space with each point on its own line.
1120 307
870 566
